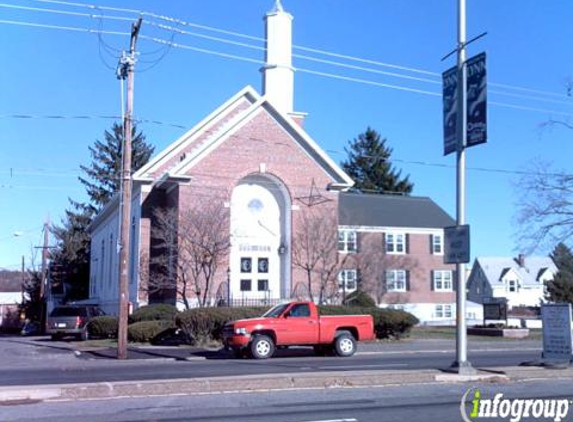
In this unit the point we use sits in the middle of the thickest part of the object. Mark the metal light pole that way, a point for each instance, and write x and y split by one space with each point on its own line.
462 364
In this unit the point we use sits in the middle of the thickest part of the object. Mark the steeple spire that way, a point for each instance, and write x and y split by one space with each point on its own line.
278 73
278 7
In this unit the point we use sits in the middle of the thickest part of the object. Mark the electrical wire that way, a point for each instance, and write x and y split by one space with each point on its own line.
88 117
169 44
303 48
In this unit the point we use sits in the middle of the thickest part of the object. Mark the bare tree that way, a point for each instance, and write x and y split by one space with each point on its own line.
315 251
545 206
191 245
545 215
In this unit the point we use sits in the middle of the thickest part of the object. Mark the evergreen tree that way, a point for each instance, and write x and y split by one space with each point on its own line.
103 174
369 165
102 180
561 288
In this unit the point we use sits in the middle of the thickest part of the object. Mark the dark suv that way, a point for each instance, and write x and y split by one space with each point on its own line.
71 320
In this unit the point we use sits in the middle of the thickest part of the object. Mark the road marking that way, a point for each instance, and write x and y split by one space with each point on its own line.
389 365
335 420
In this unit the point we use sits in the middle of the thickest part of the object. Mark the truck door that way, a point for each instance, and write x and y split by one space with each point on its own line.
299 327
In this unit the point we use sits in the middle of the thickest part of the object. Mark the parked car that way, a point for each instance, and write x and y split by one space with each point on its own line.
297 324
71 320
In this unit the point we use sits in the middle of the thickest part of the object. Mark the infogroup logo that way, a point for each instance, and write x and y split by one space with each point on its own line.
513 409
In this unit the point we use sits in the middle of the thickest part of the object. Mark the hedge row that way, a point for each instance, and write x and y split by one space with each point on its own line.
146 331
204 324
388 323
144 323
155 312
200 325
103 327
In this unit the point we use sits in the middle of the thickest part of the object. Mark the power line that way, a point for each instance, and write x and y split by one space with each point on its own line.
314 59
303 48
86 117
303 70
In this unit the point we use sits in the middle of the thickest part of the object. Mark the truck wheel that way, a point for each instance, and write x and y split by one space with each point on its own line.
262 347
344 344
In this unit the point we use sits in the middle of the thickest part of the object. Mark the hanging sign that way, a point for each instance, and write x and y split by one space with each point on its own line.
476 104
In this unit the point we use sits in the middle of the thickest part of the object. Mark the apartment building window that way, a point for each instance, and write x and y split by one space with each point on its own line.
443 311
395 243
437 244
347 241
443 281
396 280
347 280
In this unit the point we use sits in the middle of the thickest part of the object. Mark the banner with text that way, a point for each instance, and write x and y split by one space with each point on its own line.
476 101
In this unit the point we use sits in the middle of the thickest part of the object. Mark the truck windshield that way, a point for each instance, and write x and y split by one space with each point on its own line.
275 311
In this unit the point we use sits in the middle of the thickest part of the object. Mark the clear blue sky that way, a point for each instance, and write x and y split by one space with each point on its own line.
57 72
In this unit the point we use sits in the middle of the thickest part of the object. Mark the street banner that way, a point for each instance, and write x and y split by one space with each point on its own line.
449 97
476 104
476 100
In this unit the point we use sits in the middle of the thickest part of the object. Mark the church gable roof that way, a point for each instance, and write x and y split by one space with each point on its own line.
180 157
171 156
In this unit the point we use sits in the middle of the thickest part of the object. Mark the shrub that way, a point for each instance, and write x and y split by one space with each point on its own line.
156 312
392 323
360 298
388 323
103 327
204 324
144 331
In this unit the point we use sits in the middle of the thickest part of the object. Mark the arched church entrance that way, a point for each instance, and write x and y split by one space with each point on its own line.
260 239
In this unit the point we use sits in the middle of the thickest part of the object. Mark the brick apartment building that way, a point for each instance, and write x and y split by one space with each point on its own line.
253 158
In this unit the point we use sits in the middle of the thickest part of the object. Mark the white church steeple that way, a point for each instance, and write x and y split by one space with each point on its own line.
278 73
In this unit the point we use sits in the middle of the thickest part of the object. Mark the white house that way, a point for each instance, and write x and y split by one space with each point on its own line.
522 281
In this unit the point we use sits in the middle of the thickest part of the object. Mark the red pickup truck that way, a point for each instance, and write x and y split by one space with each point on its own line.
297 324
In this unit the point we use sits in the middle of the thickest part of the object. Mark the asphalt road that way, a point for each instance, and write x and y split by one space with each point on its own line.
215 365
415 403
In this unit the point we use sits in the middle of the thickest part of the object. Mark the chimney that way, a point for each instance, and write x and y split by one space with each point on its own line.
278 73
521 260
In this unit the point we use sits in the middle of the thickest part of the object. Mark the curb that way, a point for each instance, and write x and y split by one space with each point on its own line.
246 383
267 382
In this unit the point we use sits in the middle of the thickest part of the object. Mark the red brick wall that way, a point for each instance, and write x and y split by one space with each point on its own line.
260 141
372 261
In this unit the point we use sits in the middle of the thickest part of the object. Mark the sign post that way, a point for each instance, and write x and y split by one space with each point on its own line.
557 336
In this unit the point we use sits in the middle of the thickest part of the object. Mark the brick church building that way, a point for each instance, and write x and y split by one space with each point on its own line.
271 195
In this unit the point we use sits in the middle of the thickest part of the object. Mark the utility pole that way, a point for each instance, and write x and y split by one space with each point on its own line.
45 248
44 275
463 366
23 274
126 71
